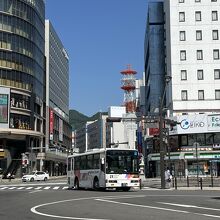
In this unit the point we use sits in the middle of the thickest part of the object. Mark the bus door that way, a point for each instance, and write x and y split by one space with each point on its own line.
103 170
70 172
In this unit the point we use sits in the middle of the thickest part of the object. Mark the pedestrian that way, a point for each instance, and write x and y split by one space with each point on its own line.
168 177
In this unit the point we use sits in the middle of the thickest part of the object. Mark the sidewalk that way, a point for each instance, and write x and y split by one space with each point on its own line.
155 183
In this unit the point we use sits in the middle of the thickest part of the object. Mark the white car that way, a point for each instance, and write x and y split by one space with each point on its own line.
35 176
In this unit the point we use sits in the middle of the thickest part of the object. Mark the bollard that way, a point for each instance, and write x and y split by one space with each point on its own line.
187 180
200 180
175 182
140 183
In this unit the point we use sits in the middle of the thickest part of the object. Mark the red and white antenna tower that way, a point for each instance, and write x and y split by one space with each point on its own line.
128 85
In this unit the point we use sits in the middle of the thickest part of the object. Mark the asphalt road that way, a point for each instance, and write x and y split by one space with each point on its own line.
89 205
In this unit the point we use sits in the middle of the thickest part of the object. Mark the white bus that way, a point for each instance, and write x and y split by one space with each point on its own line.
104 168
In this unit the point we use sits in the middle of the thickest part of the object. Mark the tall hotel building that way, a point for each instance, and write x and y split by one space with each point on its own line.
182 41
22 83
58 129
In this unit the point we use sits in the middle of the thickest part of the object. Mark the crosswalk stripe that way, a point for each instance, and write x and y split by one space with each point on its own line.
12 187
29 187
4 188
56 187
33 187
48 187
39 187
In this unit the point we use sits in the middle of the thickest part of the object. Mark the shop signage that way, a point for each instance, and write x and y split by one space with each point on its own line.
199 123
213 122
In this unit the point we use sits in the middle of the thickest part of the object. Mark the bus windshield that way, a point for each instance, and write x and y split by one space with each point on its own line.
121 161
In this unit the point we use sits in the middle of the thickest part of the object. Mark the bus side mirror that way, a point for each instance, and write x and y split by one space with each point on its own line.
102 161
102 164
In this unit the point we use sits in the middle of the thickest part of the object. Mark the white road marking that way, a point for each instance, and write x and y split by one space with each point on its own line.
65 187
29 187
143 206
21 187
39 187
12 187
3 188
165 209
33 209
56 187
48 187
189 206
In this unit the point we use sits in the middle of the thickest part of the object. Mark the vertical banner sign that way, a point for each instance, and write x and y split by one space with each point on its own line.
51 124
3 108
60 129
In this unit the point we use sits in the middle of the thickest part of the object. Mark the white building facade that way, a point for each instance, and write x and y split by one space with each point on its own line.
192 60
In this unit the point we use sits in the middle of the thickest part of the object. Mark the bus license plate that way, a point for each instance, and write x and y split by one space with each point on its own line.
124 184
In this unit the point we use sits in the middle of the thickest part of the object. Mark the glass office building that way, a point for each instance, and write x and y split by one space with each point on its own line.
22 84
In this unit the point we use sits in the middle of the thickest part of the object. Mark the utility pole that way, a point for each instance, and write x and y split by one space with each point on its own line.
162 152
161 134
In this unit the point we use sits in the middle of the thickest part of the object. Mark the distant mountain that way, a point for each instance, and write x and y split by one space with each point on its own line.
78 119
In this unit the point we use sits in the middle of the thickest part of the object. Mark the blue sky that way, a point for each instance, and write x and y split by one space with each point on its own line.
101 37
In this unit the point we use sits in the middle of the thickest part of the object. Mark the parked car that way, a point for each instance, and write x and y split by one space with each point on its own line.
35 176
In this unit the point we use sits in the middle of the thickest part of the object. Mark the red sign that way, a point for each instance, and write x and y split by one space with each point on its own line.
153 131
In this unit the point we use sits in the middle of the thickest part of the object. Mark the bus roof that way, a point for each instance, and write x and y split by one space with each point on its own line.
99 150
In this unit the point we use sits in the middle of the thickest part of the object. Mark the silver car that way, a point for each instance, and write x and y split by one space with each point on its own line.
35 176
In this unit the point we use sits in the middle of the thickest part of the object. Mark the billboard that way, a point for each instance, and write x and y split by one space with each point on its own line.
197 123
3 108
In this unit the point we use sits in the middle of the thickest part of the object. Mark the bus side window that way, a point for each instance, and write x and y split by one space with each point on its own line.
96 161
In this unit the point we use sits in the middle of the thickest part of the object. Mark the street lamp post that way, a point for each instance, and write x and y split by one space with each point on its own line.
161 135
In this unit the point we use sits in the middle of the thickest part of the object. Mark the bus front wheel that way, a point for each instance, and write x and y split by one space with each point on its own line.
96 184
76 184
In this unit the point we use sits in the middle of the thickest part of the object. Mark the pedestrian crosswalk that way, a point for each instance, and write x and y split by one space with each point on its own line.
33 188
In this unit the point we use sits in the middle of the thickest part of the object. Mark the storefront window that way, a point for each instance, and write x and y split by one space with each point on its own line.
209 138
191 139
217 138
183 139
201 139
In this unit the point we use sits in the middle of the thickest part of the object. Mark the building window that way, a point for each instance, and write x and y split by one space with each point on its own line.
216 54
199 35
183 75
181 16
182 55
200 75
181 1
215 34
217 74
201 95
213 0
217 94
197 0
184 95
199 55
214 16
182 35
198 16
